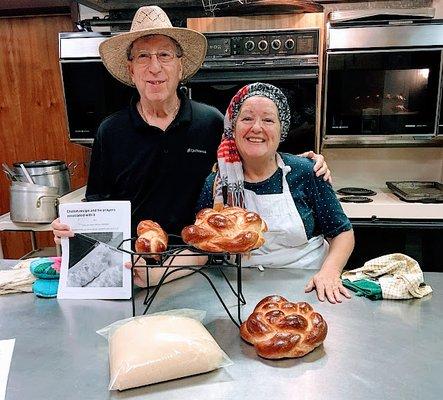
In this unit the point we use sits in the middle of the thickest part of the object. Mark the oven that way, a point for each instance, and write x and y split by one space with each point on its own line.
91 93
440 112
286 58
383 83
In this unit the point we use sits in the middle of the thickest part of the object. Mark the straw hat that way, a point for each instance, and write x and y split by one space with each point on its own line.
152 20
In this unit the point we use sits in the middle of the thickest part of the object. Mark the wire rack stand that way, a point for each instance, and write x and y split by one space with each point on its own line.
218 261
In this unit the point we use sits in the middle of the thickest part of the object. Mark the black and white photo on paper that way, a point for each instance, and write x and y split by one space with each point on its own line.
94 260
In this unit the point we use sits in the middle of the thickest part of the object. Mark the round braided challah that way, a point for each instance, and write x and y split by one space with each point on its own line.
280 329
232 230
151 238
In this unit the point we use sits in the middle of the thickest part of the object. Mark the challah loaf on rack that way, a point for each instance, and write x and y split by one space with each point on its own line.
280 329
232 230
151 238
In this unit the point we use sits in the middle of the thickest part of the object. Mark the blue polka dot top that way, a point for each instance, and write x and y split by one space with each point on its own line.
315 200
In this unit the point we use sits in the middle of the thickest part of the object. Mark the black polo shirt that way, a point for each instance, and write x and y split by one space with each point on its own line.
160 172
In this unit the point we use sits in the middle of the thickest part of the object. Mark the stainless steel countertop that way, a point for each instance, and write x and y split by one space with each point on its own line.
383 350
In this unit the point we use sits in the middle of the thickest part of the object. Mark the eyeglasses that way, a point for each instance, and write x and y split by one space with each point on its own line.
144 57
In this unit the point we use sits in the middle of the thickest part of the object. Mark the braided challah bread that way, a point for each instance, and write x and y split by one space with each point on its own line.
151 238
280 329
232 230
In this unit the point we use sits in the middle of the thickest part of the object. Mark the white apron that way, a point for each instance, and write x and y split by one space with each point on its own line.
287 245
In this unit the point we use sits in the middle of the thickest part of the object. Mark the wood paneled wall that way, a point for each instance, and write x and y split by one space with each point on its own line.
32 116
283 21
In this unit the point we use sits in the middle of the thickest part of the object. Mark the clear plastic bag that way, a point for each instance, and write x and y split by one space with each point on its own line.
159 347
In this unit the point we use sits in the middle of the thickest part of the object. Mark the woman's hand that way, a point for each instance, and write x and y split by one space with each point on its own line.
60 230
327 281
320 166
327 284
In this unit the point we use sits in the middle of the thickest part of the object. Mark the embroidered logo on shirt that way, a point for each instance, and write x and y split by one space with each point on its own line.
196 151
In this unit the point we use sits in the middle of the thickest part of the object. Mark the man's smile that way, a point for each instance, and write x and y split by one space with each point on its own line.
155 82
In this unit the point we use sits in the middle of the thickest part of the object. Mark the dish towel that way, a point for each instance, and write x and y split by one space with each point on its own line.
18 279
399 276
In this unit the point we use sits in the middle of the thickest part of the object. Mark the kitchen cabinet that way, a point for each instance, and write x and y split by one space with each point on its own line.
421 240
34 7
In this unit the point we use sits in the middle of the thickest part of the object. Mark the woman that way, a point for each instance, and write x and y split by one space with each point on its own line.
299 208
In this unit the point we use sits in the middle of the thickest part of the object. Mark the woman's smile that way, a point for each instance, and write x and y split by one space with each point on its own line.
255 139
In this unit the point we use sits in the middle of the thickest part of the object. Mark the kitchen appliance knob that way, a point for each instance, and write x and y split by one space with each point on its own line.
262 45
289 44
249 45
276 44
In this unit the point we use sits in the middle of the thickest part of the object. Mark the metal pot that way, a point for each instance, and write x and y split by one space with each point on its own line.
52 173
33 203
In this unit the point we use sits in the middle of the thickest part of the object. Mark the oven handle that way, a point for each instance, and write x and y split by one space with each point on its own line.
241 76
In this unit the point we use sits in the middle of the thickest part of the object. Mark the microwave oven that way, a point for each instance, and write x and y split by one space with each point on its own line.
383 84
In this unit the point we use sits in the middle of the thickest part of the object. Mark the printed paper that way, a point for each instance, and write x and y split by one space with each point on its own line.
92 266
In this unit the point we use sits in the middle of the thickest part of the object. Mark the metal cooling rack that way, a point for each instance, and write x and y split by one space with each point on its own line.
218 261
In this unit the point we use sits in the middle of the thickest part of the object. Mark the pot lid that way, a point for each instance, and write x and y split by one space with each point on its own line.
40 163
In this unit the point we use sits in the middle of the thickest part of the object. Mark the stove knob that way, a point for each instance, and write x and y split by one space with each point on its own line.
249 45
276 44
289 44
262 45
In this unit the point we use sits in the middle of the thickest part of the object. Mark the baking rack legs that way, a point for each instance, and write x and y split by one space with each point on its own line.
202 270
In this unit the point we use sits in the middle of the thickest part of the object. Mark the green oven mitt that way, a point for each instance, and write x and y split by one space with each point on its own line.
45 268
45 287
364 287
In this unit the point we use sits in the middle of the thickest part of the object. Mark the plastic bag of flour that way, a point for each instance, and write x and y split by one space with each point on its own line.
160 347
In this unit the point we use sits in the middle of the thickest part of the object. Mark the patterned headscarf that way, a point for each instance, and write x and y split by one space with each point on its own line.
229 178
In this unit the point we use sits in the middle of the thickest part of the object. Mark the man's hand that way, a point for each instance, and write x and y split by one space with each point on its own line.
60 230
320 166
140 273
156 274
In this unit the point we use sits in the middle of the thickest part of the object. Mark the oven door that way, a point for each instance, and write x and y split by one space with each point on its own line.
382 97
440 112
91 95
217 87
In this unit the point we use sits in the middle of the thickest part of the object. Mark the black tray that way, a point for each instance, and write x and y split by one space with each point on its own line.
417 191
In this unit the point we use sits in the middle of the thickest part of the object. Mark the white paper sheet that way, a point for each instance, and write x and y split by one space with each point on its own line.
92 267
6 349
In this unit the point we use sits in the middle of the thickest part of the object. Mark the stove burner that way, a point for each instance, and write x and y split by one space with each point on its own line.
355 199
354 191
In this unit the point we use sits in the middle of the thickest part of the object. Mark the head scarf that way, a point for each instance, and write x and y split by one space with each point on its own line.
229 181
